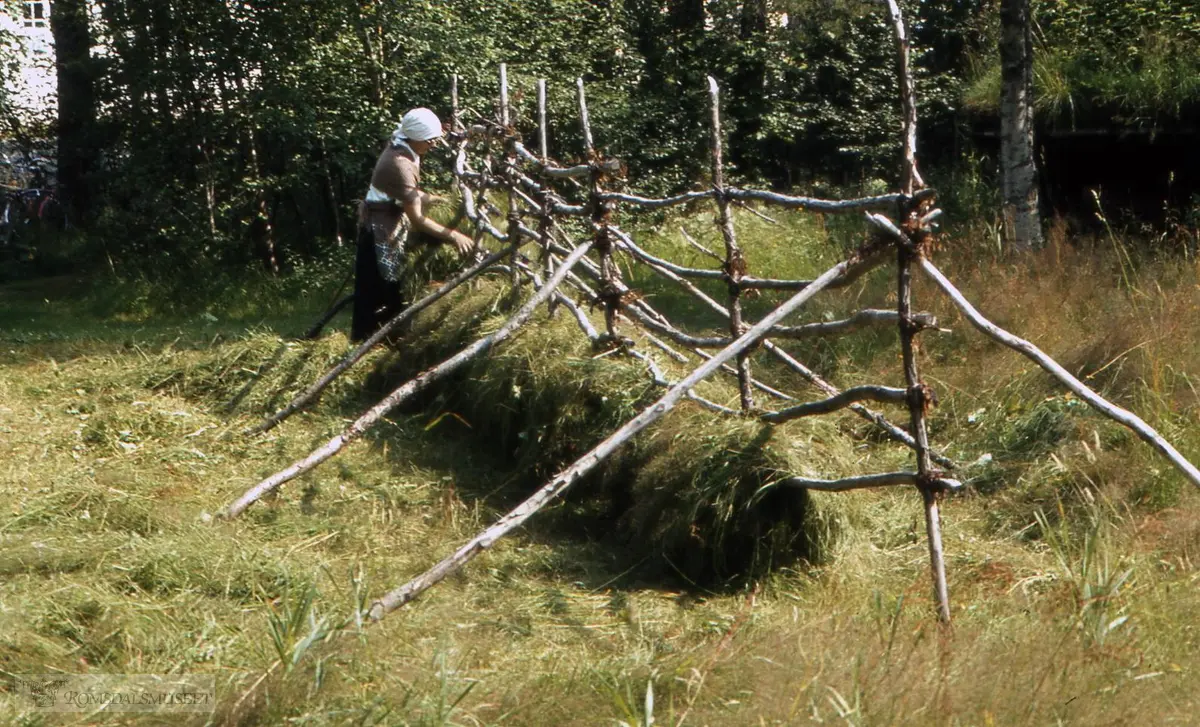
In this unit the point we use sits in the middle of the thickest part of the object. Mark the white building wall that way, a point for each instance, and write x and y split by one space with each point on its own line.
35 91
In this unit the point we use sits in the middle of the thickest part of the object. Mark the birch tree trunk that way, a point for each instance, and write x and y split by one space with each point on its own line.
1019 181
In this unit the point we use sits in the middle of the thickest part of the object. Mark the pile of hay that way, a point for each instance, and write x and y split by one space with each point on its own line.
259 372
693 496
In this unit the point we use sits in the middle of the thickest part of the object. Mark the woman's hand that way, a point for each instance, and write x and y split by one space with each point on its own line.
462 243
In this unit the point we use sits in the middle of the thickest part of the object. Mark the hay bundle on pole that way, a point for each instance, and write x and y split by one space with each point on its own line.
695 499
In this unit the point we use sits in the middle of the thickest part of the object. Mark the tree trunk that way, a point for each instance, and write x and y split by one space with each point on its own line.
748 100
76 105
686 15
262 232
1019 183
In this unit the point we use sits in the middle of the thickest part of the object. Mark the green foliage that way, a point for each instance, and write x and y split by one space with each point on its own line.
295 626
241 134
1104 61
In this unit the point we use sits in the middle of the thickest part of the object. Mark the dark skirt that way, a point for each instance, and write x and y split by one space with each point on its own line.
376 301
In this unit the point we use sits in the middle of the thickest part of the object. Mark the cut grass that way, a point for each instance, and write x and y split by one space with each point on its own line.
110 562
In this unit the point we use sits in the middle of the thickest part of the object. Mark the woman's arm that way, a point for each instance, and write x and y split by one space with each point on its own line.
414 206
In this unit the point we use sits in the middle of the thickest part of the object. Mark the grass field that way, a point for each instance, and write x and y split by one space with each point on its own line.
1072 561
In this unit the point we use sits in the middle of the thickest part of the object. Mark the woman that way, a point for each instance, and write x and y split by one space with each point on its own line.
395 205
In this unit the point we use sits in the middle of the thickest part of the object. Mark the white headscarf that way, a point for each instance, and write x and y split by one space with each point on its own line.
420 124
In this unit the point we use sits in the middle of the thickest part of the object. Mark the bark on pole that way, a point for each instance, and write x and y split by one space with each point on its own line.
504 95
645 315
516 517
542 138
455 124
735 260
610 287
908 99
920 399
546 218
588 143
841 400
407 390
514 215
1018 171
860 482
893 432
853 273
920 396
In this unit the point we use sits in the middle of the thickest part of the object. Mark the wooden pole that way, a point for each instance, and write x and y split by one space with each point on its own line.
546 219
856 271
735 260
610 286
920 396
504 116
514 215
333 310
920 399
893 432
588 144
1124 417
841 400
859 482
542 138
908 96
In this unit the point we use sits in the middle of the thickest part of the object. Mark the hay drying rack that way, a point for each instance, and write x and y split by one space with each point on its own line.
529 181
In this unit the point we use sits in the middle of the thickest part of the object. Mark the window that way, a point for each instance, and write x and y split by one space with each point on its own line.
35 14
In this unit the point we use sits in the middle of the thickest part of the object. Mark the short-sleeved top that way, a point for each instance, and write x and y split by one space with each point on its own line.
397 176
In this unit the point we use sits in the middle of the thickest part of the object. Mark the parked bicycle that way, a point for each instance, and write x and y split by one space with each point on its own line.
26 214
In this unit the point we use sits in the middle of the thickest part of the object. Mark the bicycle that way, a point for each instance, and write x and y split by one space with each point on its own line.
26 211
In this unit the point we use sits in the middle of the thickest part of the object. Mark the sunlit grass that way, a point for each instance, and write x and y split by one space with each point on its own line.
1072 563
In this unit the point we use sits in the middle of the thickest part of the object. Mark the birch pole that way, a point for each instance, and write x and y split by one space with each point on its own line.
407 390
1019 215
545 219
555 487
644 314
908 99
585 123
514 215
920 396
920 399
735 260
864 264
503 110
610 292
542 140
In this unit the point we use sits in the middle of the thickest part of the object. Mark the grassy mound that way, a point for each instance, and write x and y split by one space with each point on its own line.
693 496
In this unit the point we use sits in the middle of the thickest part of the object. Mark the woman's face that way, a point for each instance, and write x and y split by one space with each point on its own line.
420 147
